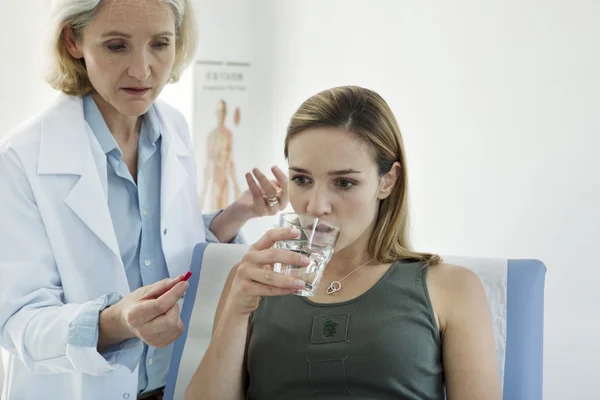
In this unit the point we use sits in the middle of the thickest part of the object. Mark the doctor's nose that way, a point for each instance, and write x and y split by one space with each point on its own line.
139 67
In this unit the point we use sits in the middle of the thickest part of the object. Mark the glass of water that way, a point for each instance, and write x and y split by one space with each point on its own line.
317 241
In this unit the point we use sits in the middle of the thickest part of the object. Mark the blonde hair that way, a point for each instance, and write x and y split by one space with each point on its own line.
366 114
69 75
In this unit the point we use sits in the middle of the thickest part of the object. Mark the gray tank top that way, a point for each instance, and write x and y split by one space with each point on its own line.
382 345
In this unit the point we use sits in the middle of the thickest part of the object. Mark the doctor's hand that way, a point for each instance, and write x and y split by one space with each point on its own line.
150 313
264 197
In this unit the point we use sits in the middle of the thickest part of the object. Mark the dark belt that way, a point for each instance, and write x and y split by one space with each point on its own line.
153 395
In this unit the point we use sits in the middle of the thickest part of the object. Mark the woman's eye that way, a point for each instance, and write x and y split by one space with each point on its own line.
300 180
116 47
160 46
345 184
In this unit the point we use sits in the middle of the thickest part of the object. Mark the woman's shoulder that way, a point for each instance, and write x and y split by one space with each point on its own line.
454 275
27 135
452 288
446 278
453 280
24 138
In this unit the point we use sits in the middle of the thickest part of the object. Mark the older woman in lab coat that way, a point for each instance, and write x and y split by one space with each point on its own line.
99 211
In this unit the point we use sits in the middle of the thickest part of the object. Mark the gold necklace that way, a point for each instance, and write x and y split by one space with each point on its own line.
336 286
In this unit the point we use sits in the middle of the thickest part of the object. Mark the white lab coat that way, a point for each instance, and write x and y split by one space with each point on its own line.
58 248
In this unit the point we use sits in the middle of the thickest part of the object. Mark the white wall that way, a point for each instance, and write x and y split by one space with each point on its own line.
23 91
498 102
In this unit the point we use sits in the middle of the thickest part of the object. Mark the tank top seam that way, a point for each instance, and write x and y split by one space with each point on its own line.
430 311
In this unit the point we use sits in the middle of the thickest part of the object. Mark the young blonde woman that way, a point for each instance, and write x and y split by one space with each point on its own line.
403 325
100 211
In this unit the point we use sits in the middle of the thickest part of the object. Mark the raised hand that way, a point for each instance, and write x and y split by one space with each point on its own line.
265 197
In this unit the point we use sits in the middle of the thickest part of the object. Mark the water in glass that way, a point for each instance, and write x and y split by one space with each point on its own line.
319 256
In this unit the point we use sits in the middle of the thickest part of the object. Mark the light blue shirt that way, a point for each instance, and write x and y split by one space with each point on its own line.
135 214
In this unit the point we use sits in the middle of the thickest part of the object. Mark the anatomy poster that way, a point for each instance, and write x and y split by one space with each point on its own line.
220 101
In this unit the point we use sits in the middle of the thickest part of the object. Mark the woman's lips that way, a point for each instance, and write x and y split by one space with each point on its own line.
137 91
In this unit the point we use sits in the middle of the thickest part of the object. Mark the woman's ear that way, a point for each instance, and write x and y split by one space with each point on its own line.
388 181
72 44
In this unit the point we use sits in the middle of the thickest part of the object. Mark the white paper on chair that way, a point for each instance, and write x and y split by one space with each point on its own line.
493 273
216 264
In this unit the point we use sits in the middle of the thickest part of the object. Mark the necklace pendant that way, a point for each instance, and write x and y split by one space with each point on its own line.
334 286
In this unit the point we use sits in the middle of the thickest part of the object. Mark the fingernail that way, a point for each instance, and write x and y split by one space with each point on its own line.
295 231
300 284
305 260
